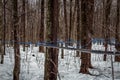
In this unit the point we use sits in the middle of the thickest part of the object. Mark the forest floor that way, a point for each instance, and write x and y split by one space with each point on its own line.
32 65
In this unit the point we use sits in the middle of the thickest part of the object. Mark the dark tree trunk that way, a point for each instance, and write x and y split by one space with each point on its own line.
1 33
73 33
66 27
4 31
51 56
16 71
4 23
78 27
41 49
23 19
70 26
107 24
117 36
62 52
87 9
65 18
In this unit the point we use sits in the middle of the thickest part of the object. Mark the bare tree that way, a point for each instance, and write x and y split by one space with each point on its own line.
16 71
4 22
4 30
23 20
87 9
70 26
117 34
51 56
78 26
66 27
1 34
42 25
107 24
65 18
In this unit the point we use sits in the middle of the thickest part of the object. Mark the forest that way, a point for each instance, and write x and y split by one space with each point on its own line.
59 39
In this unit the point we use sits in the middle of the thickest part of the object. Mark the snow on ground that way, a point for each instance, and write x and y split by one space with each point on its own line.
32 65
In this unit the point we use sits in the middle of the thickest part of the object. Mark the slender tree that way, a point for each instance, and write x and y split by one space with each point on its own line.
0 23
117 34
51 56
1 34
65 18
74 17
107 24
66 27
4 23
70 26
4 31
42 26
23 20
87 9
78 25
16 71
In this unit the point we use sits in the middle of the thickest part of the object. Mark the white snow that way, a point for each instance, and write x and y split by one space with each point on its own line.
32 65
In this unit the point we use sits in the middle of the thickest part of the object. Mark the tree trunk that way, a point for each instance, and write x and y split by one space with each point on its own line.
51 56
4 24
62 52
117 36
41 48
2 44
23 19
107 24
73 34
1 34
87 9
78 27
16 71
70 26
65 18
66 28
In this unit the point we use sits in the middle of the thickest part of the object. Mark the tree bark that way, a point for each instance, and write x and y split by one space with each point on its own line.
70 26
78 27
65 18
51 56
41 49
3 34
87 9
4 24
107 24
117 37
16 71
66 27
23 19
